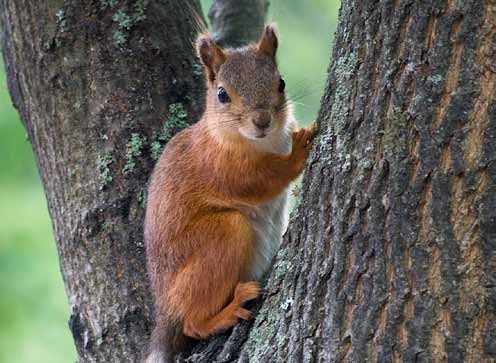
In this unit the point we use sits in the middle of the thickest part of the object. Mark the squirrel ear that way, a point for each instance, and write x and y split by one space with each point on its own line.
211 56
268 42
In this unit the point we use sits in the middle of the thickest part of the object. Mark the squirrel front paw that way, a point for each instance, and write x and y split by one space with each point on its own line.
302 144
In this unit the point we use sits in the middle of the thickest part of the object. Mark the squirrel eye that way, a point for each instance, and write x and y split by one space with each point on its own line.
282 85
222 95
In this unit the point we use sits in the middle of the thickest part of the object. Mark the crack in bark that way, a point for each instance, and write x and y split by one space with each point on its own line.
451 76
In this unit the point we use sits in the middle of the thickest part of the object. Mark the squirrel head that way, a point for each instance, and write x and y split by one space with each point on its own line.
246 93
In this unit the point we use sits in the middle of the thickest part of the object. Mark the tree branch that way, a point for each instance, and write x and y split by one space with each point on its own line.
236 23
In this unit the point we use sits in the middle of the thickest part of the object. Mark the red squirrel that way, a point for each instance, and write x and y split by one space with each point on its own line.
216 208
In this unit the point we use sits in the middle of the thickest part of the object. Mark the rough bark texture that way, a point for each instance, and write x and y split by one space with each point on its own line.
391 254
100 87
93 82
236 23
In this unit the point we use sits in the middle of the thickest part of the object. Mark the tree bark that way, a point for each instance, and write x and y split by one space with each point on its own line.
237 23
100 87
390 256
94 82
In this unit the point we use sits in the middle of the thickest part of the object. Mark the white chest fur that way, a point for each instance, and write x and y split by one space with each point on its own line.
270 220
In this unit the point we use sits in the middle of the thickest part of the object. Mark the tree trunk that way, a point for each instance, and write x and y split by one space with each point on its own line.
236 23
99 87
390 256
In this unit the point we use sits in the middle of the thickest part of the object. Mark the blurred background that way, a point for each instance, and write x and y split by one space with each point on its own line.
33 305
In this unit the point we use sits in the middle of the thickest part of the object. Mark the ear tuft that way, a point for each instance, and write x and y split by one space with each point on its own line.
211 56
268 42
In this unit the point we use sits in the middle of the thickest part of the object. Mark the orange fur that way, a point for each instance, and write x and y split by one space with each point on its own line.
199 238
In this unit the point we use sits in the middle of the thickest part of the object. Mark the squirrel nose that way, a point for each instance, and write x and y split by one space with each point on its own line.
261 119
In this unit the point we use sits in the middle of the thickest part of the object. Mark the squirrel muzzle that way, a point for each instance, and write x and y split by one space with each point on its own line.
261 119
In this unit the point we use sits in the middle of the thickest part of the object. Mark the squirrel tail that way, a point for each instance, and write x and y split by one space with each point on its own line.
166 341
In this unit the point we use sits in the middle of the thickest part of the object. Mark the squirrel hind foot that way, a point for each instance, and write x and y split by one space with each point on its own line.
246 291
201 328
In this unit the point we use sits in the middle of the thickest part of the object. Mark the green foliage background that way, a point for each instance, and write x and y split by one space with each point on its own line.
33 305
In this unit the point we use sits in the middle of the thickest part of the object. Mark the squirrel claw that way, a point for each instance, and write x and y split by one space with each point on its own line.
304 136
243 313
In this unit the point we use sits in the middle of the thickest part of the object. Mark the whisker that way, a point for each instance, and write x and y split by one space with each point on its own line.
305 93
291 100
